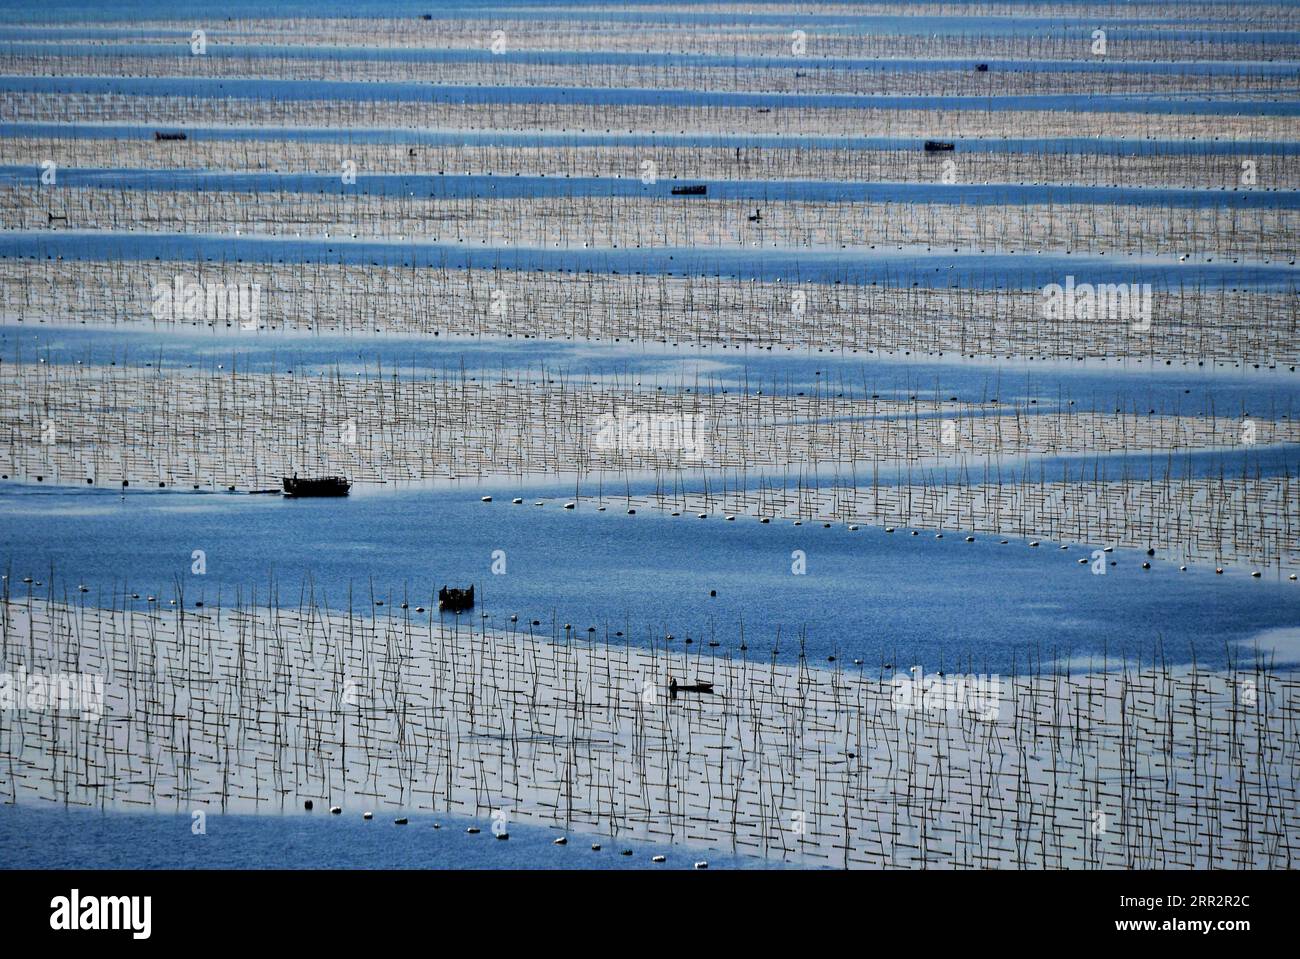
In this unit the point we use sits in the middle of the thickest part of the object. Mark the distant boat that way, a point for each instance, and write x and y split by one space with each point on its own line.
316 486
455 600
675 689
938 146
159 135
695 189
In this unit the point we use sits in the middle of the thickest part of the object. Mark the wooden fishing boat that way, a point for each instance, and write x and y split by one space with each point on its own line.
675 688
455 600
316 486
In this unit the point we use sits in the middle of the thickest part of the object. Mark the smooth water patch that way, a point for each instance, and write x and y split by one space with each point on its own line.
866 594
45 837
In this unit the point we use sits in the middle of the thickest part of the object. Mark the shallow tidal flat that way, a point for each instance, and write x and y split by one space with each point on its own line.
1252 328
250 709
984 466
213 151
161 106
763 216
651 72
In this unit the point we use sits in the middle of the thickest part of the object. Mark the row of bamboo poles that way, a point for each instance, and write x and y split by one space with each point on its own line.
737 157
423 110
739 36
1249 328
263 701
524 69
574 219
220 428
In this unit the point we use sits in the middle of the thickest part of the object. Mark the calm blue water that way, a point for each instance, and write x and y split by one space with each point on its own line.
455 186
867 594
38 837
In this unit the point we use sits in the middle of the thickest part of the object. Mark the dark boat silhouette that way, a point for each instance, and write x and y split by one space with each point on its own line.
455 600
695 189
938 146
675 689
316 486
160 135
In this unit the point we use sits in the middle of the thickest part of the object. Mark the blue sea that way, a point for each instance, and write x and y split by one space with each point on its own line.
41 837
866 595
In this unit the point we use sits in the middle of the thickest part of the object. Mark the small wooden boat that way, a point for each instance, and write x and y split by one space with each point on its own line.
674 688
938 146
160 135
695 189
455 600
316 486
